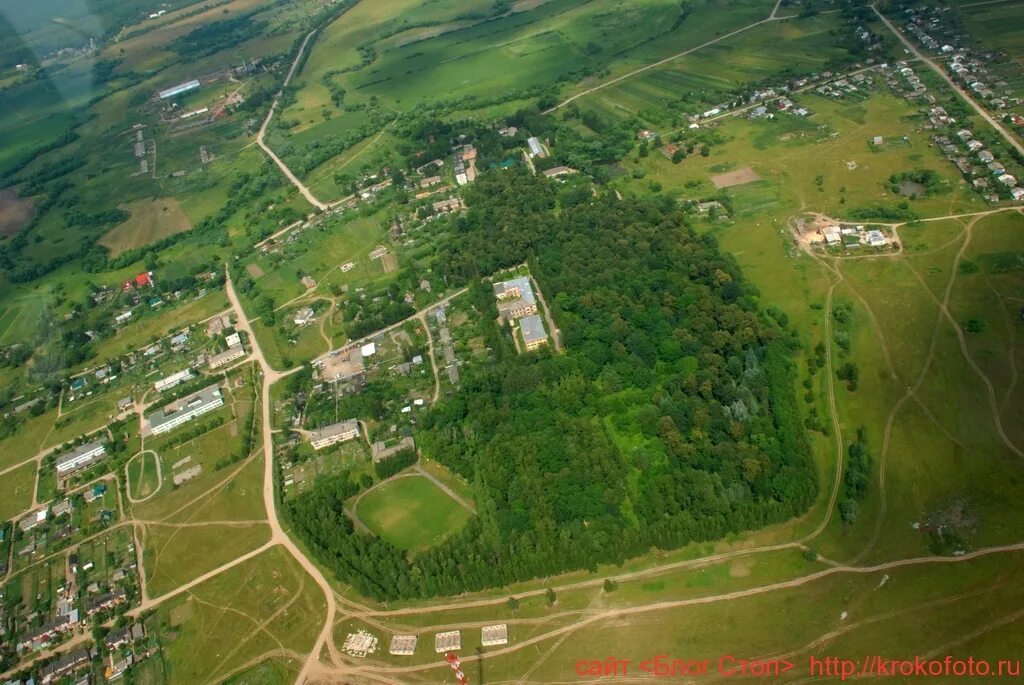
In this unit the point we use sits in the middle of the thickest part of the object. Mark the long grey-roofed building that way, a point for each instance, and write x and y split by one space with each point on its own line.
79 458
186 409
533 331
334 433
179 89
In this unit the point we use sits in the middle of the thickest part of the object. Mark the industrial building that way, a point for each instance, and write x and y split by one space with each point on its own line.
450 641
179 89
186 409
334 433
492 636
79 458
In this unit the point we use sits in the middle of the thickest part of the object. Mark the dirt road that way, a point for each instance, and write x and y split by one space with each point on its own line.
982 112
306 192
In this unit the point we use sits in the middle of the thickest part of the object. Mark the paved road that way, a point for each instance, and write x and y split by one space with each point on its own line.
982 112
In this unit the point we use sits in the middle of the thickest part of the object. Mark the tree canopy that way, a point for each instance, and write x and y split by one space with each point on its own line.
669 419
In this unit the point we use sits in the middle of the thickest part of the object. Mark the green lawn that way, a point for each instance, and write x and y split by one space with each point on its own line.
267 603
16 491
143 478
411 512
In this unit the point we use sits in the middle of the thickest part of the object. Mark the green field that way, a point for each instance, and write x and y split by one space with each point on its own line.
175 553
16 491
150 221
268 601
421 60
411 512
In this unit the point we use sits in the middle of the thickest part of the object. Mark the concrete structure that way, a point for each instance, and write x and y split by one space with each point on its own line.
515 298
532 328
173 380
179 89
334 433
226 357
450 641
403 645
380 452
185 409
79 458
491 636
876 238
341 366
233 340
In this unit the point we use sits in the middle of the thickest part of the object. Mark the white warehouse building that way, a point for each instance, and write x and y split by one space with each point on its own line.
173 380
79 458
186 409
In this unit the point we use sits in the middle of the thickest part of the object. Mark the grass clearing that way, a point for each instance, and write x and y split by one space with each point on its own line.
175 555
411 512
16 490
151 220
268 602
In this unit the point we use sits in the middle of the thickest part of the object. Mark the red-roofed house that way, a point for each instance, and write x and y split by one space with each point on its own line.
143 279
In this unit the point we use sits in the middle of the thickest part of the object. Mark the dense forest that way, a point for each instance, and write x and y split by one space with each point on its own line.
669 419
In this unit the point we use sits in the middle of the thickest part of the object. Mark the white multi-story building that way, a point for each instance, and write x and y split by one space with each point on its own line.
186 409
79 458
173 380
227 356
333 434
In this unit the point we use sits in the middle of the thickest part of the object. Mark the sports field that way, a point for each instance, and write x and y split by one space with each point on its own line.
411 512
143 476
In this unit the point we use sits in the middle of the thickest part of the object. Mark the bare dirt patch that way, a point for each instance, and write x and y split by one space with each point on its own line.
15 212
735 178
150 220
254 270
389 262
